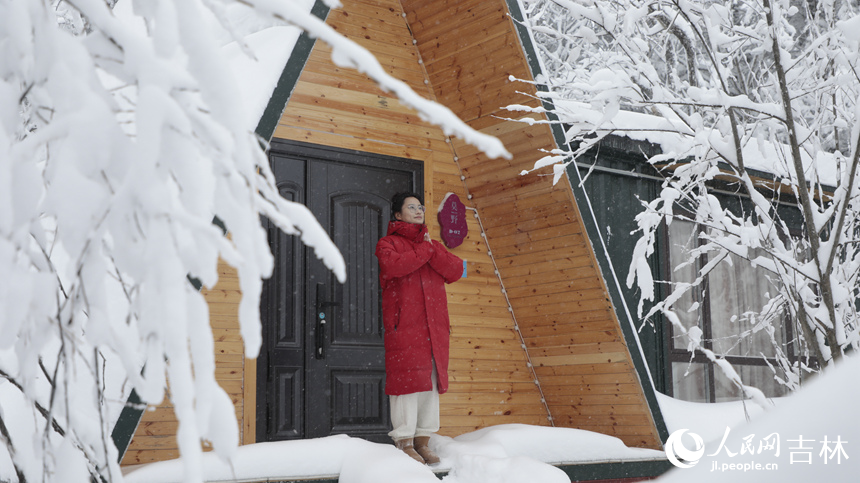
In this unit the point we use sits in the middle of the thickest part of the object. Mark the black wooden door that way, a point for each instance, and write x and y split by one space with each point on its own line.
321 368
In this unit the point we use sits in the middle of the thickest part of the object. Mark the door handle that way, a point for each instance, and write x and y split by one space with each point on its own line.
323 315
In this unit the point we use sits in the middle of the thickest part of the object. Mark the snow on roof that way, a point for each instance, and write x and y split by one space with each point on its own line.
258 76
759 154
256 50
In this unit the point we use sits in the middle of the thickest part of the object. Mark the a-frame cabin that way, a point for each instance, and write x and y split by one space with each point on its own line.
539 334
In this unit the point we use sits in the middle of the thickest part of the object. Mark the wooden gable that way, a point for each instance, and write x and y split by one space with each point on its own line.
539 240
491 380
535 337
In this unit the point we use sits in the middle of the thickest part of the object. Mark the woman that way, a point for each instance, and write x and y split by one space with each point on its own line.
413 270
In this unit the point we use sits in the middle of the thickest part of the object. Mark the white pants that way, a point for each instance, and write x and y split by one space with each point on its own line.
415 414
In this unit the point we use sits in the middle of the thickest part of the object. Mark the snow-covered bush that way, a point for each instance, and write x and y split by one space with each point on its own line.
122 138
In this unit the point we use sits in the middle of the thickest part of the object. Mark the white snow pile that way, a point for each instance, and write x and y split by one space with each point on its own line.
256 51
709 420
512 453
521 454
805 428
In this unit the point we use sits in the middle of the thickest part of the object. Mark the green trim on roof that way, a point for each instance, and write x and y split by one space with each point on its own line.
525 38
593 234
127 423
289 78
612 471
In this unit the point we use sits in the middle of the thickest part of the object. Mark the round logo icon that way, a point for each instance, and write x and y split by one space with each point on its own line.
679 455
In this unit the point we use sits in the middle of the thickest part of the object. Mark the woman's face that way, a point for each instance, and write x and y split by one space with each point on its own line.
412 211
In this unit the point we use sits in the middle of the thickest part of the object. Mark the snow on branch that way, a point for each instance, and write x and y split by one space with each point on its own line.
754 108
346 53
122 138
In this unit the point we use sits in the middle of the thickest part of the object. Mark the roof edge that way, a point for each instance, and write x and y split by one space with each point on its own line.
289 77
612 283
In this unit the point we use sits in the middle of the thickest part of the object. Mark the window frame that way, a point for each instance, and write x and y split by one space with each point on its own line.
703 297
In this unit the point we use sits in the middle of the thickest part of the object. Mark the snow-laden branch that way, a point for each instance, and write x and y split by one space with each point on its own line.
731 93
694 343
122 138
346 53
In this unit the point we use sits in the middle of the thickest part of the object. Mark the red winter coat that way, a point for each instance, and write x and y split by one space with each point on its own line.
412 274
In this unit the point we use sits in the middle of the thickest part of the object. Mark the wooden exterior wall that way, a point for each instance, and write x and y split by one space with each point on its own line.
536 343
491 382
155 438
560 301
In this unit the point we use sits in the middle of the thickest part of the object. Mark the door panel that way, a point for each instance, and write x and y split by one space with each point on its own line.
356 402
321 370
352 202
282 308
365 217
288 393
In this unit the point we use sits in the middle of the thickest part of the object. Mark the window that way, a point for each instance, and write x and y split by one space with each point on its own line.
727 308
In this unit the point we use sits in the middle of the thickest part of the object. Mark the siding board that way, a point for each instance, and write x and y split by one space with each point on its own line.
544 258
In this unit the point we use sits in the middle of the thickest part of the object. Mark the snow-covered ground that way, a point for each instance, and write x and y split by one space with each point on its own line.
512 453
812 435
824 409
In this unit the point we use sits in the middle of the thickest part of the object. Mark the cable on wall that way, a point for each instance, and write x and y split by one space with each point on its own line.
487 243
505 293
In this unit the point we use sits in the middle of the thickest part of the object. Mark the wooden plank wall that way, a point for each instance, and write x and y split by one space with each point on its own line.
491 382
469 49
155 438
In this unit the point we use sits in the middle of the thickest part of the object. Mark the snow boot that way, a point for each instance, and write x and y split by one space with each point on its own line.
422 447
405 445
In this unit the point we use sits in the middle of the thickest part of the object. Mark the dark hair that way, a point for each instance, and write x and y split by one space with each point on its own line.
400 198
